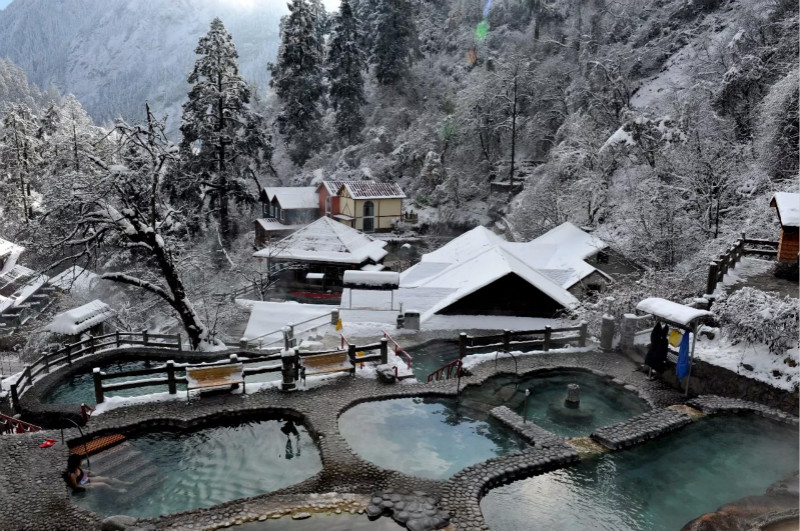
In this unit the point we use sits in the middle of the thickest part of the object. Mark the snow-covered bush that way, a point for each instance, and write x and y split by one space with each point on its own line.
753 316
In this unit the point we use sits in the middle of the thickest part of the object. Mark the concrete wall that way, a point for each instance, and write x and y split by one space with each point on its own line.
387 211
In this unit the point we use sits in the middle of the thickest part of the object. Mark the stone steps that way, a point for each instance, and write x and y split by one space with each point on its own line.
641 428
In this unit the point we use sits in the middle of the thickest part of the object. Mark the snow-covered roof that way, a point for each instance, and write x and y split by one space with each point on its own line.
333 187
274 225
326 240
76 278
373 190
788 205
9 253
293 197
81 318
374 279
552 263
673 312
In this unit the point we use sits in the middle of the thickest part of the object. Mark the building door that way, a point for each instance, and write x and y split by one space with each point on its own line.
369 216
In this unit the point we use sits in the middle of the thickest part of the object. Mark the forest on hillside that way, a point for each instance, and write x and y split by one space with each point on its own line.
664 126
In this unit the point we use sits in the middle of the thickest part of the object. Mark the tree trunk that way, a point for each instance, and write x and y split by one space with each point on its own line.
513 136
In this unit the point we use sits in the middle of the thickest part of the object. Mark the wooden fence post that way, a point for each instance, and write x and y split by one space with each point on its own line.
180 343
144 337
711 282
116 337
91 343
583 334
173 388
46 358
98 385
548 335
15 398
462 345
506 341
351 354
68 347
384 351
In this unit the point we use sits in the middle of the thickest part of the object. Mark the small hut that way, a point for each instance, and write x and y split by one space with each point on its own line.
788 207
86 319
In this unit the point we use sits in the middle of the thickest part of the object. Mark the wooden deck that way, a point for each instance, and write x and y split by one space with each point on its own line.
97 445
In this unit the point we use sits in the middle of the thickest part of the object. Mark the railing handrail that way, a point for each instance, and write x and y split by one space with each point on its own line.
398 349
12 425
344 341
448 367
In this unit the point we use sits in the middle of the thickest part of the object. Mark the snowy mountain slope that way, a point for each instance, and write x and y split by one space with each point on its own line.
115 54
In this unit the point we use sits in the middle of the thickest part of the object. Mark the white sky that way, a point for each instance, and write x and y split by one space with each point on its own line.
330 5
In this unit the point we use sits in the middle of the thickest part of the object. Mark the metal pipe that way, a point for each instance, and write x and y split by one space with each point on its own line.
525 406
85 448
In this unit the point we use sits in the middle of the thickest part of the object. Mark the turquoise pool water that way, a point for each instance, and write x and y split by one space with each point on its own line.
425 437
429 357
602 403
79 388
172 472
659 485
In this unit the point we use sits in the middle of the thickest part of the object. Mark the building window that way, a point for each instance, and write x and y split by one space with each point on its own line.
328 206
602 257
369 216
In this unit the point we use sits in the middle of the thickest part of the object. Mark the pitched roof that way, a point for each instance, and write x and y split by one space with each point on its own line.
9 253
293 197
82 318
788 205
333 187
326 240
373 190
552 263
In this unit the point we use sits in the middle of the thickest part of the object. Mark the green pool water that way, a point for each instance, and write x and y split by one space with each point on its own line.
602 403
659 485
430 356
425 437
174 472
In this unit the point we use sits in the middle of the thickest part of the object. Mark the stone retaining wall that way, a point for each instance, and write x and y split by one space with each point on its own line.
710 379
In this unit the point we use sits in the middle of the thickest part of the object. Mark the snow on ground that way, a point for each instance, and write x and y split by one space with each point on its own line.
473 360
267 319
722 353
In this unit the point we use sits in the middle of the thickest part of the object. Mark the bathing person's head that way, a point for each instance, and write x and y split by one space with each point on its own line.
74 462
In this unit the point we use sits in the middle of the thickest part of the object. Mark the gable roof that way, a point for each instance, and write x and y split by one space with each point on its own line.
551 263
292 197
788 206
333 187
372 190
79 319
326 240
9 253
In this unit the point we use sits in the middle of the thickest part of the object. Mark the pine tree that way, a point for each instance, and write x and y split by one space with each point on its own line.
19 158
393 33
219 121
297 78
345 61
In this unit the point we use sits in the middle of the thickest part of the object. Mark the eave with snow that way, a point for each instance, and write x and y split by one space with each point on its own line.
480 273
83 319
324 246
787 206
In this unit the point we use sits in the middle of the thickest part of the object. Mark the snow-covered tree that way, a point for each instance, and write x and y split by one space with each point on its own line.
393 34
19 159
298 80
345 62
222 136
121 221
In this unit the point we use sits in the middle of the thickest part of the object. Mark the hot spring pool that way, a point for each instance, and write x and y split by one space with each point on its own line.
425 437
172 472
602 403
662 484
79 388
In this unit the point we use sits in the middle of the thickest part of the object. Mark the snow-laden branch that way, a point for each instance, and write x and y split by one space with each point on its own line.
133 281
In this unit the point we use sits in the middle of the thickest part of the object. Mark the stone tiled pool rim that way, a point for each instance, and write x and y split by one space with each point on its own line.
343 471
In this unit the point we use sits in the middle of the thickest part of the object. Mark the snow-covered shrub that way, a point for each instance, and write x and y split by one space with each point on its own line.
753 316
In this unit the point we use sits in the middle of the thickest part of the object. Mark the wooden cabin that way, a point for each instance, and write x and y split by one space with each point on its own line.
788 207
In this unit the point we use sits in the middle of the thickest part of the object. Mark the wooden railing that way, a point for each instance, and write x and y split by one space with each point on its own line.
70 353
166 375
398 350
545 338
288 332
11 425
718 268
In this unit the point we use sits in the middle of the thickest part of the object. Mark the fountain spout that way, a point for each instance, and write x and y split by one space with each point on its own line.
573 399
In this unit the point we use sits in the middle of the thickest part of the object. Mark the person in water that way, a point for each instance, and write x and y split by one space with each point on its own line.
79 479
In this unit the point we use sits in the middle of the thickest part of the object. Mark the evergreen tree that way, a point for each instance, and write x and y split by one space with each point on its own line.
345 61
393 33
219 121
297 78
19 159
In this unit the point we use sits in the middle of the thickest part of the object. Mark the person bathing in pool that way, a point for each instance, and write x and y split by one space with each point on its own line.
79 480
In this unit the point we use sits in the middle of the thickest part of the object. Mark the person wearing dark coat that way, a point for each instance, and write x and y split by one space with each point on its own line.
659 347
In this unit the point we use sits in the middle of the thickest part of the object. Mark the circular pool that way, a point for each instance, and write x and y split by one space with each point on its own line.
425 437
